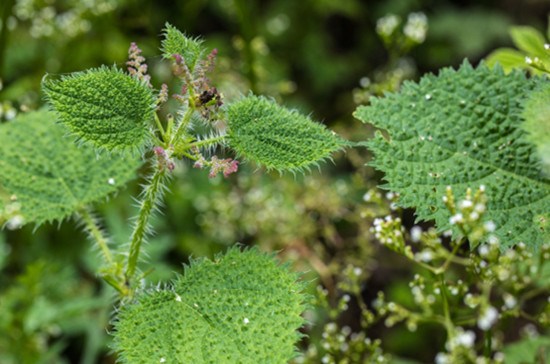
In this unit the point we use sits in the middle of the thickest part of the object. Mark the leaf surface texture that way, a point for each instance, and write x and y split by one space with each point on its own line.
463 128
48 175
243 307
104 106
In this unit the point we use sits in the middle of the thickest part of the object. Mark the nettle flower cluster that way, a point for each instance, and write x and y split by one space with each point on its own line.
196 94
399 38
471 294
340 344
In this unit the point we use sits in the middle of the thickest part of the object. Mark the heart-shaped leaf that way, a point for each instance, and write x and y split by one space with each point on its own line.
104 106
463 128
242 307
47 176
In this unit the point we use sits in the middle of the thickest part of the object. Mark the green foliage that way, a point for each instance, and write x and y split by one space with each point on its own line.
47 176
533 52
175 42
276 137
529 40
480 28
529 350
537 123
43 300
458 129
104 106
242 307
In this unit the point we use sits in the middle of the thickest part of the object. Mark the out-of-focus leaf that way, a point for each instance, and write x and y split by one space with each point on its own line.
528 351
508 58
529 40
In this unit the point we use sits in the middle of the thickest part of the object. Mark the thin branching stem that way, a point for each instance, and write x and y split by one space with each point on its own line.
150 197
446 310
180 131
201 143
96 234
160 128
449 259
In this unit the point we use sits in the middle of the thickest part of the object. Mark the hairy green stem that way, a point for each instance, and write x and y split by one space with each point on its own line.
204 142
159 127
96 234
151 195
177 135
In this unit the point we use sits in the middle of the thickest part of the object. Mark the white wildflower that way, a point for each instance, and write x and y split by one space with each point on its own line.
15 222
386 25
441 358
424 256
416 233
455 219
416 27
509 301
464 204
484 250
488 318
465 339
489 226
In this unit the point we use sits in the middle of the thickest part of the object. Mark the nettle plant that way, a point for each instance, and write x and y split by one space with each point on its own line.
467 149
241 307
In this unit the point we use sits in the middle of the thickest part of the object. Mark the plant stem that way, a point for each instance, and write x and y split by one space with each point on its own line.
160 128
446 312
200 143
96 234
5 14
488 343
150 197
449 259
176 136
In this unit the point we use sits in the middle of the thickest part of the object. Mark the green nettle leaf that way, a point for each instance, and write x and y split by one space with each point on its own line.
276 137
175 42
529 350
45 173
104 106
242 307
463 129
537 123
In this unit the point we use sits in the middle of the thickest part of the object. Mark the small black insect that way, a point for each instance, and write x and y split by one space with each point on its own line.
210 97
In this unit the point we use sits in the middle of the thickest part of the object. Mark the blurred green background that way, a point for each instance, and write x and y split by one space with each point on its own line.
323 57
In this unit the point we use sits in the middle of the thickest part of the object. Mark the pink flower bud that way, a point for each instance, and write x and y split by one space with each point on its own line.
159 151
